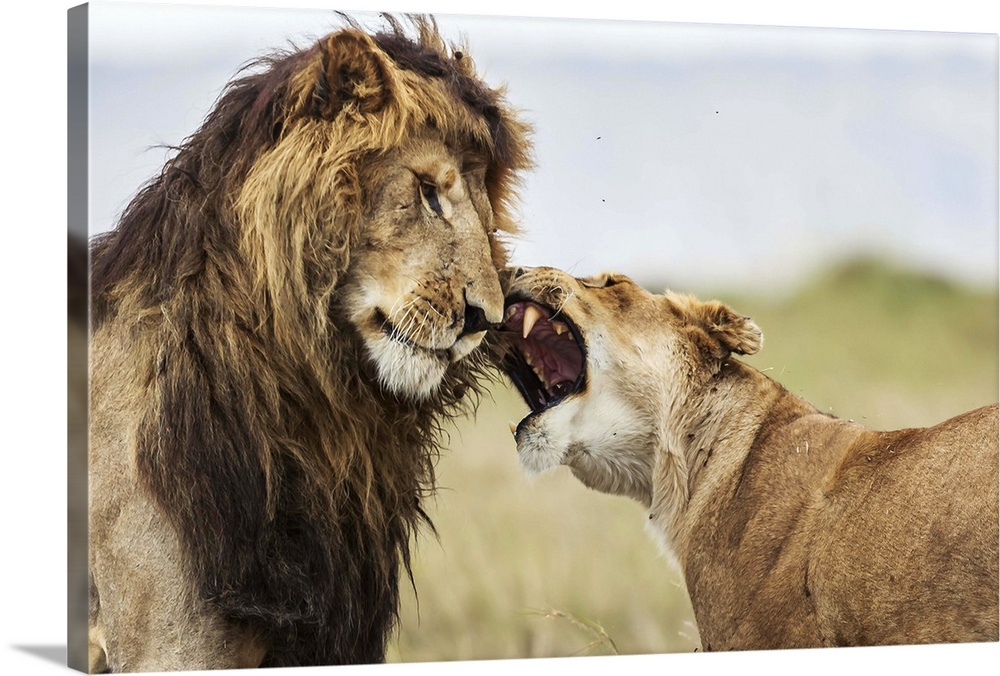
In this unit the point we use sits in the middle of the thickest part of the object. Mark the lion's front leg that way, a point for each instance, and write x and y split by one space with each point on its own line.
97 658
146 614
149 616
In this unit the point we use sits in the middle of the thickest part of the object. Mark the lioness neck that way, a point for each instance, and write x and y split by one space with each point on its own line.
707 439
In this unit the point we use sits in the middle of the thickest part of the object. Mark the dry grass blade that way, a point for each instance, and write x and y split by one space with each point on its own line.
601 637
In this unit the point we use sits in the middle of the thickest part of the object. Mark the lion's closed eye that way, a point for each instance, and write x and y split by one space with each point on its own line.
429 196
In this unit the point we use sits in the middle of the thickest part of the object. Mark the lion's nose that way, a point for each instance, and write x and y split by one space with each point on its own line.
475 319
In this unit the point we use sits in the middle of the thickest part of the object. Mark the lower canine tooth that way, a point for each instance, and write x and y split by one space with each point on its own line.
540 372
513 428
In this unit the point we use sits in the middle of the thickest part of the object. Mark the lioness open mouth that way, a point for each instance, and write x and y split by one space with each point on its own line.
546 361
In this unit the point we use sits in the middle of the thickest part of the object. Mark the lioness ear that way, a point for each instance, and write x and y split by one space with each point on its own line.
726 330
352 75
734 332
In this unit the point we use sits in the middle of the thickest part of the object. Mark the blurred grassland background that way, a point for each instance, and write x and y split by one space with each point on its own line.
545 567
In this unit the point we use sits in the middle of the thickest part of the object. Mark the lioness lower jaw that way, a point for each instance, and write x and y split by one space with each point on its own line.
601 440
540 446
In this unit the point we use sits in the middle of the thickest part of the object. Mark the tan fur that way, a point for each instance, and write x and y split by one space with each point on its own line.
282 320
792 528
76 437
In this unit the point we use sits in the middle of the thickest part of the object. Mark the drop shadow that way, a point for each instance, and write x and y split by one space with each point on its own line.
49 653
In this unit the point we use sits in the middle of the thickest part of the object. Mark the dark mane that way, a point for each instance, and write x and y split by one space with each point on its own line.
164 226
324 472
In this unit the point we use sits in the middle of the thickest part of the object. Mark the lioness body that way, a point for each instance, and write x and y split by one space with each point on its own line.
793 528
817 532
281 321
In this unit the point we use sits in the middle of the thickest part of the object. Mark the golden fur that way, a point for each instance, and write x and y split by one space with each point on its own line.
792 528
281 321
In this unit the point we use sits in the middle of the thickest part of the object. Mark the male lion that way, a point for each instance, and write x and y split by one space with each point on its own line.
792 528
281 321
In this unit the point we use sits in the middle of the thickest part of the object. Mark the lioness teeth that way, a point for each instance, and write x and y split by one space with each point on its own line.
511 311
559 328
540 372
513 428
531 315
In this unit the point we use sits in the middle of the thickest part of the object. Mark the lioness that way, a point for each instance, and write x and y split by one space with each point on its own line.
793 528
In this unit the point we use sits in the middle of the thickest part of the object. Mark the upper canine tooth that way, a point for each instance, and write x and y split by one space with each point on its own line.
559 328
531 315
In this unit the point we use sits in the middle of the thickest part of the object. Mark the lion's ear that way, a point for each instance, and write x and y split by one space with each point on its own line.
352 75
725 331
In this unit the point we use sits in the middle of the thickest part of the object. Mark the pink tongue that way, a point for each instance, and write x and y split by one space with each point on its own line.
559 366
560 358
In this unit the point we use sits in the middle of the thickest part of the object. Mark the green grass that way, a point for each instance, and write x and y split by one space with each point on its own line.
882 345
547 568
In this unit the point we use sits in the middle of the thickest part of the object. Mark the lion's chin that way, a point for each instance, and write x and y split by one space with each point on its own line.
406 370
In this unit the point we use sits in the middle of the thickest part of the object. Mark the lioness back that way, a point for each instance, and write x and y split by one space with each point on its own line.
909 520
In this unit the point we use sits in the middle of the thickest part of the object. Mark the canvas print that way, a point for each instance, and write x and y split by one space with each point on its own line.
415 338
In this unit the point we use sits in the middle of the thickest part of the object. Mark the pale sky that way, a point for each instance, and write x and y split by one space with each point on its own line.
712 155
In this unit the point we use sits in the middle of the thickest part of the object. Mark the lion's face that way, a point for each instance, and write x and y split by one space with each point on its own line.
594 359
374 211
422 288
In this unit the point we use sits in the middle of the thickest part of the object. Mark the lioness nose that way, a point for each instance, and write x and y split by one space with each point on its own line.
475 319
509 275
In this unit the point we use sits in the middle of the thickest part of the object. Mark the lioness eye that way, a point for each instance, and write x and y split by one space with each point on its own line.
429 192
599 281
